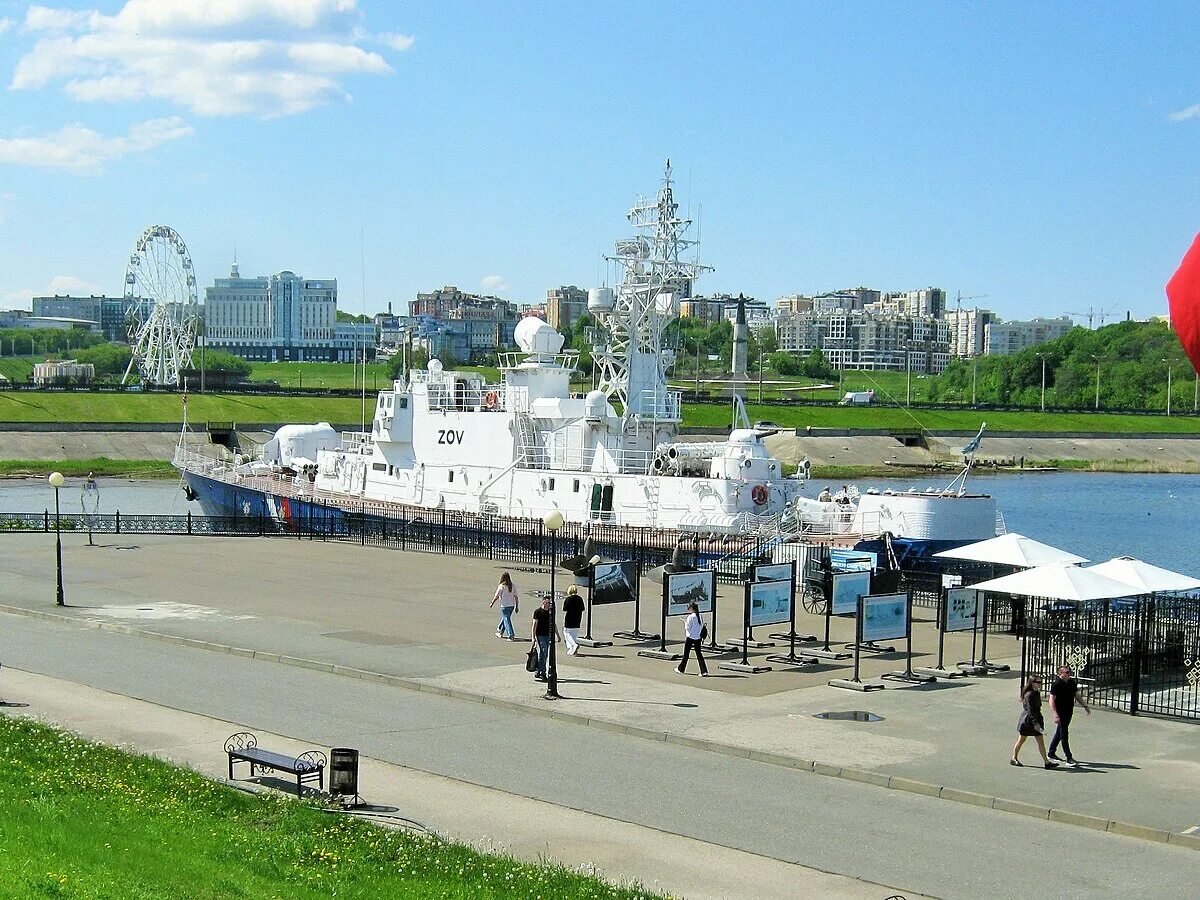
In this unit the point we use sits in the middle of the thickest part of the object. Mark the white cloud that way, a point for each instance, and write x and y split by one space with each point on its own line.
396 41
69 284
59 284
82 151
494 283
44 18
218 58
1192 112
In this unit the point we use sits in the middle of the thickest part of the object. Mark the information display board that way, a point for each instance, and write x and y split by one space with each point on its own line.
884 618
614 582
842 560
963 610
772 572
682 588
847 588
771 602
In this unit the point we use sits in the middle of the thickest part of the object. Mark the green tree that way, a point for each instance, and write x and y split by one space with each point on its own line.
220 361
109 359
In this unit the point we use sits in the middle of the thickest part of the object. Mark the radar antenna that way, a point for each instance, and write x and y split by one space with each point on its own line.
629 340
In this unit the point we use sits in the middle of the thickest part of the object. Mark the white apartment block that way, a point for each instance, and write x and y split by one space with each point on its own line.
1003 338
929 302
868 340
968 330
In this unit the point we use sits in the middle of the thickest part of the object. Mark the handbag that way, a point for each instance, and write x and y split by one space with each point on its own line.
703 631
531 660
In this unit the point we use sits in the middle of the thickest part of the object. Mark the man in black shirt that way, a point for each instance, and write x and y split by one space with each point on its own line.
572 619
1064 694
541 637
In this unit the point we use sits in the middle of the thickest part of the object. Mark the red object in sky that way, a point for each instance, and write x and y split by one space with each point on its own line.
1183 299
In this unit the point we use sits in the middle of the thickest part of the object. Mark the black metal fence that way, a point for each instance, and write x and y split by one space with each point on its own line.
1139 656
433 531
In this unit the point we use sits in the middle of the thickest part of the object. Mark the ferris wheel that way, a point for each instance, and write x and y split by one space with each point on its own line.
160 298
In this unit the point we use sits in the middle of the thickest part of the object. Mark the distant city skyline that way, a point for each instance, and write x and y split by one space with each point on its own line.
1045 158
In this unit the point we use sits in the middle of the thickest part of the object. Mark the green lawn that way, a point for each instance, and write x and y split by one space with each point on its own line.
27 406
18 368
797 416
98 465
314 375
86 821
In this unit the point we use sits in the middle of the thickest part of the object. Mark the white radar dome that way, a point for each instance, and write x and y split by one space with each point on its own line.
534 335
435 365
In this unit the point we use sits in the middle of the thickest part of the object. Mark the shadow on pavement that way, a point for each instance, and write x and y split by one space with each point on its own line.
641 702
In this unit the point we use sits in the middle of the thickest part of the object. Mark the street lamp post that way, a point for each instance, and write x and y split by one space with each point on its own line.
553 521
1043 359
1168 386
908 369
56 481
974 378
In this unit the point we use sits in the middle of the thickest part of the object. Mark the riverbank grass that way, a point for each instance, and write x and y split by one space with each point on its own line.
86 821
97 465
69 407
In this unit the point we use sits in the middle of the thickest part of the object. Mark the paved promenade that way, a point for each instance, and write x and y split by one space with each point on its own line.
419 620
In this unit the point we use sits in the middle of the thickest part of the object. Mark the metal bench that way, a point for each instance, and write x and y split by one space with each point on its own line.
308 766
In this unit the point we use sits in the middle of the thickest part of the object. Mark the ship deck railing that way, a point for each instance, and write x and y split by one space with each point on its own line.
444 392
511 359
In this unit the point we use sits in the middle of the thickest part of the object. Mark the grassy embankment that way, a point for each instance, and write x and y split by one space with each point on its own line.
84 820
18 368
315 375
81 468
27 406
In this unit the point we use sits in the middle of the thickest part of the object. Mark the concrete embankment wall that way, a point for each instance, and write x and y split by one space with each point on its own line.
51 441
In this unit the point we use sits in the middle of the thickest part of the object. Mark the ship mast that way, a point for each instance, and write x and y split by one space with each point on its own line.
628 343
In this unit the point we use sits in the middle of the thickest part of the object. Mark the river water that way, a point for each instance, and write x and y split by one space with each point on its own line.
1097 515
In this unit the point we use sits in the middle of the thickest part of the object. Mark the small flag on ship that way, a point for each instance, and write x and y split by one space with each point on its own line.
975 441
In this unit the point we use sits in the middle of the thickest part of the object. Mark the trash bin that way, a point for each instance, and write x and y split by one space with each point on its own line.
343 772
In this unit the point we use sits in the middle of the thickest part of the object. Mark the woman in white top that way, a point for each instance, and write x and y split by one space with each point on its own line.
693 633
506 596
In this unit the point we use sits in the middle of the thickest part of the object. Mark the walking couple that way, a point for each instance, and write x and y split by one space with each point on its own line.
1064 694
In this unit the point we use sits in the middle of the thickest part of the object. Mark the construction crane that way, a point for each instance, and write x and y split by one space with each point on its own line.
1092 314
959 298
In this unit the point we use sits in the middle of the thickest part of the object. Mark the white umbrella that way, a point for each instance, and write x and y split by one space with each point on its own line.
1146 578
1059 582
1012 549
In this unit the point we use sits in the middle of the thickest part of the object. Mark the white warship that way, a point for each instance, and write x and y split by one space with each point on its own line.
519 448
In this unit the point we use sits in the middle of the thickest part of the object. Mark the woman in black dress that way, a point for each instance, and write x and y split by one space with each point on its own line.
1031 724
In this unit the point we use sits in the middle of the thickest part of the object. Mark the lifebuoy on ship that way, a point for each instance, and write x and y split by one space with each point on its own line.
491 400
759 494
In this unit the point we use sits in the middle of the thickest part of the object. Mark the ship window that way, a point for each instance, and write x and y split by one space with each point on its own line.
575 488
391 471
551 484
450 476
379 467
403 403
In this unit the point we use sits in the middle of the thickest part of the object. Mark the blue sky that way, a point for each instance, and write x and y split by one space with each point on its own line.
1045 155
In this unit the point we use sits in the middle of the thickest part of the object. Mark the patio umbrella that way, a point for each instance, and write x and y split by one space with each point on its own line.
1012 549
1146 578
1059 582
